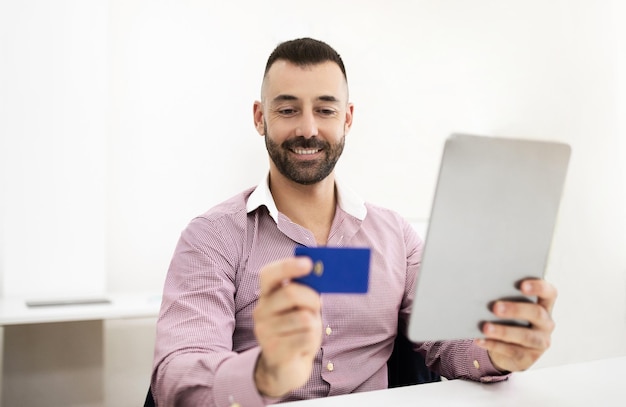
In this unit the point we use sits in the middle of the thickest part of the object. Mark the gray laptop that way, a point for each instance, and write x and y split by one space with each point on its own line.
491 226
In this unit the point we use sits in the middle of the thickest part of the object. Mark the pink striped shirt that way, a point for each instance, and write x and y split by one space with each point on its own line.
206 350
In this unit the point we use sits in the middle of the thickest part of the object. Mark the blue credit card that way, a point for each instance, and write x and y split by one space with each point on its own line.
337 269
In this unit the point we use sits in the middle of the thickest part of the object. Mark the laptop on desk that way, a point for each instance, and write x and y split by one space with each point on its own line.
491 226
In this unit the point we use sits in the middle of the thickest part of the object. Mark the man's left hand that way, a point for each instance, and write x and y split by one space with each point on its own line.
513 348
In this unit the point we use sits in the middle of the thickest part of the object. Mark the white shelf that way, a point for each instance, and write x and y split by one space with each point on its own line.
14 311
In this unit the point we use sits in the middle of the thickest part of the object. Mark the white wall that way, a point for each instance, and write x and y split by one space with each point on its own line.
53 107
120 120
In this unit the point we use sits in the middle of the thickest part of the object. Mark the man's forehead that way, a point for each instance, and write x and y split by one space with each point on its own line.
285 77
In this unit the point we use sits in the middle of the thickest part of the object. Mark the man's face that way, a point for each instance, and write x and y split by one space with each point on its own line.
304 116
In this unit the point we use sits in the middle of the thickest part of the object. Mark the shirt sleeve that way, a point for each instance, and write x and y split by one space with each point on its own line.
194 360
461 359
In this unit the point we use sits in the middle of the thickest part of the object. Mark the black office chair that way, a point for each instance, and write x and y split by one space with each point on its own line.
149 399
405 368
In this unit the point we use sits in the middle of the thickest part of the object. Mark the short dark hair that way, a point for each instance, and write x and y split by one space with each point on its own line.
303 52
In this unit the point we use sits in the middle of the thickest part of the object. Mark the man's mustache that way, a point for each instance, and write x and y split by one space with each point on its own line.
303 142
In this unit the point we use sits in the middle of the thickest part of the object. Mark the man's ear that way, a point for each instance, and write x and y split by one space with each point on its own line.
349 115
257 114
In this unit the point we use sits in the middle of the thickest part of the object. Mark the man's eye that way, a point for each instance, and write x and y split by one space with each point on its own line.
287 112
327 112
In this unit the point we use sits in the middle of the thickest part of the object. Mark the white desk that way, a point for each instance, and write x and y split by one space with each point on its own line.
54 355
597 383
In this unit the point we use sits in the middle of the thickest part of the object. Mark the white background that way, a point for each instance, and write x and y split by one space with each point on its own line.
121 120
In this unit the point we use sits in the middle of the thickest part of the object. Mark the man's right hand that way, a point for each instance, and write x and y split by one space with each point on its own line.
288 327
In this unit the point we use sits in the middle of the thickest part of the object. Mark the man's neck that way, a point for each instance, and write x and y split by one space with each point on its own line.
310 206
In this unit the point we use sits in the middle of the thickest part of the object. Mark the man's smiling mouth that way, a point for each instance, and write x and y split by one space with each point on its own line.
306 151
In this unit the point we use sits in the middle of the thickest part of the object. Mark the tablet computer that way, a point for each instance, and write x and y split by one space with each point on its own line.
491 225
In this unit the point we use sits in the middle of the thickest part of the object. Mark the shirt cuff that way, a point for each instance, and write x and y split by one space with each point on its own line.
234 381
482 368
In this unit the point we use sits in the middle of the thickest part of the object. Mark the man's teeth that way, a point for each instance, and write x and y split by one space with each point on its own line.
305 151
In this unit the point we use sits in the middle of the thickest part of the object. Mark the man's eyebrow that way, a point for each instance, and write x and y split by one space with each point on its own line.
287 97
283 97
328 98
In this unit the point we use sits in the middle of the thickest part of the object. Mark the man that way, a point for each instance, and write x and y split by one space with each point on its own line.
235 328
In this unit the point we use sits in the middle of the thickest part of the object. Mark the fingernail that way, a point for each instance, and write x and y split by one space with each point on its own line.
500 308
304 262
527 287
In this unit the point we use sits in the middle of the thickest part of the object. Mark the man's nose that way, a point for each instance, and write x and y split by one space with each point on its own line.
307 125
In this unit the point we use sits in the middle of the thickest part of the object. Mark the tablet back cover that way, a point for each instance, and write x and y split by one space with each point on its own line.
491 226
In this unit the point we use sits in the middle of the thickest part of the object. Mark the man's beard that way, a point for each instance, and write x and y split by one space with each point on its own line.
305 172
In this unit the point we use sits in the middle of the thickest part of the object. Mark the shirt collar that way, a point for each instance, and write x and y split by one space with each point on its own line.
347 200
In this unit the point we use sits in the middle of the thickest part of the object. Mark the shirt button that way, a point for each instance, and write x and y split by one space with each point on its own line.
328 330
330 366
476 364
